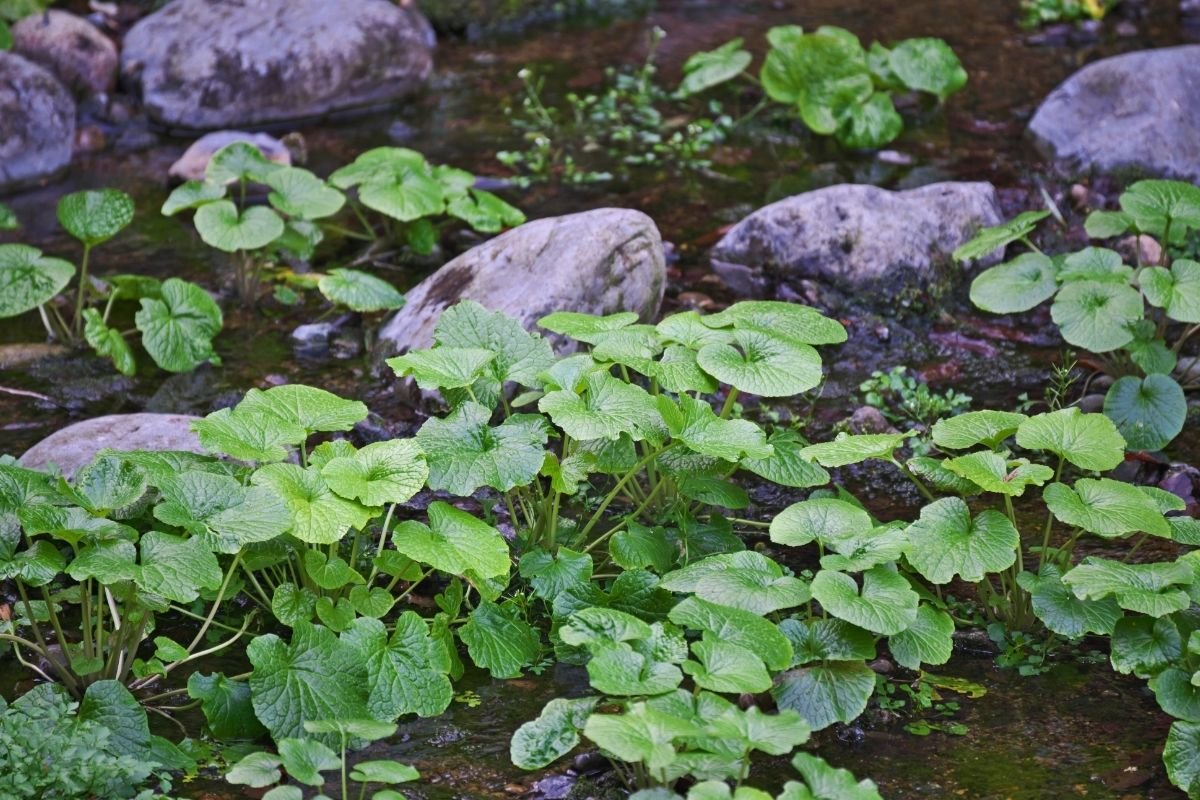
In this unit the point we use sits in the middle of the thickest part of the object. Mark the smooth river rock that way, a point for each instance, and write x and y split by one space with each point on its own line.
37 123
193 164
596 262
1133 114
205 64
76 445
82 57
857 239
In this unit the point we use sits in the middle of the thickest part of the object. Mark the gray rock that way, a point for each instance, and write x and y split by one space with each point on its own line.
312 340
76 445
1133 114
37 123
82 57
597 262
858 239
192 164
206 64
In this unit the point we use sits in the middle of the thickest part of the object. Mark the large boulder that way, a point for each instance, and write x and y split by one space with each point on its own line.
76 445
596 262
858 239
82 57
206 64
1134 114
37 123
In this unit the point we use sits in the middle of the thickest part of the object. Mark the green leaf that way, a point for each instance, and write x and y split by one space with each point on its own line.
608 408
177 331
1107 224
8 218
821 74
307 407
109 704
1144 645
520 356
191 194
108 342
220 225
709 68
735 626
747 580
827 639
946 542
1181 754
498 640
37 565
1089 441
1105 507
618 669
96 215
226 706
851 449
1176 290
306 759
359 291
989 240
379 164
589 328
329 572
928 640
640 547
292 605
380 473
724 667
1064 613
374 602
406 673
640 735
177 568
552 574
992 472
964 431
1015 286
1176 695
928 65
786 466
465 453
693 422
762 363
298 193
1095 264
834 691
870 125
712 491
315 677
390 772
484 211
1096 315
555 732
405 196
1151 589
247 435
933 472
256 770
1155 204
881 545
239 161
886 604
28 279
793 321
1148 412
828 783
454 542
602 626
443 367
319 516
825 519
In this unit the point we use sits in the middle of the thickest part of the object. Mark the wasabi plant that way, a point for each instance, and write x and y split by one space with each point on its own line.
177 320
397 183
1134 319
1035 13
831 82
906 400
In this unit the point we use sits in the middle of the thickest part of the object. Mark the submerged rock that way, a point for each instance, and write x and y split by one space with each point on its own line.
37 123
76 445
597 262
859 239
1135 113
227 63
192 164
82 57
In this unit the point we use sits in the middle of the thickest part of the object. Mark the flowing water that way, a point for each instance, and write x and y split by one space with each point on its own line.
1078 731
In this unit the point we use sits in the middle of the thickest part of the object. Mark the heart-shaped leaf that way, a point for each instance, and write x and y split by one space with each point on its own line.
709 68
96 215
824 518
454 542
607 409
406 672
380 473
735 626
851 449
964 431
1063 612
693 422
1149 412
359 291
747 580
1105 507
1155 589
1155 205
928 65
833 691
28 279
886 604
108 342
499 640
947 542
191 194
1176 290
928 640
989 240
1089 441
298 193
220 225
177 331
762 363
465 453
306 407
555 732
1015 286
239 161
319 516
1096 315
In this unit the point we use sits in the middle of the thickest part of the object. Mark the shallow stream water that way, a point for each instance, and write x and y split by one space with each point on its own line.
1078 731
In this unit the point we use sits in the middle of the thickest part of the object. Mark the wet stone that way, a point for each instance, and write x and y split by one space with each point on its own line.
37 123
76 445
78 54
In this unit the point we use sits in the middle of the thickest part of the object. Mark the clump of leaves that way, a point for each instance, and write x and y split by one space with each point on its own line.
905 399
52 746
832 83
177 320
399 184
1035 13
1136 319
634 122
